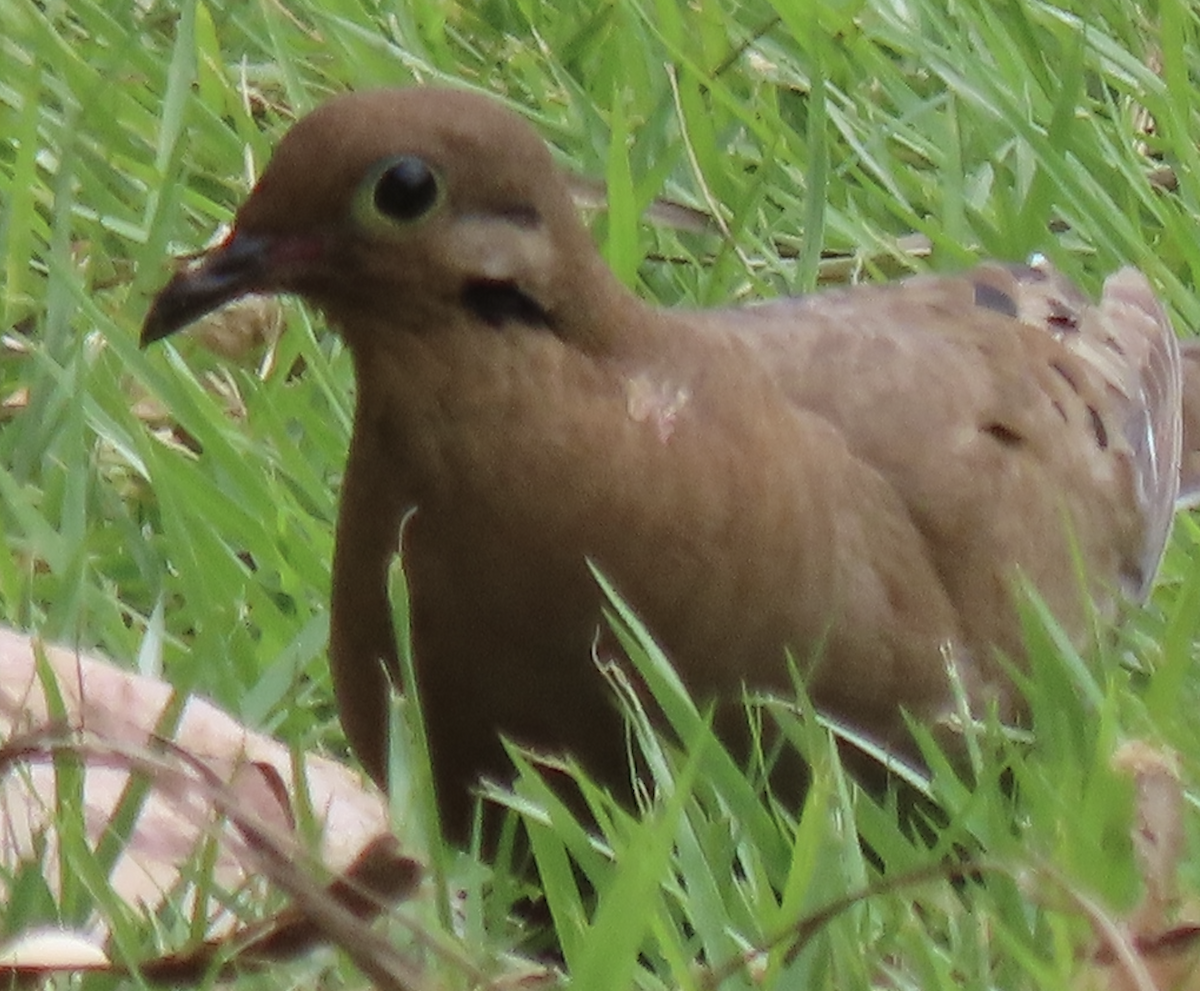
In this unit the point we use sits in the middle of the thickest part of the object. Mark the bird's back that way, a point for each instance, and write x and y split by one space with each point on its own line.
1026 430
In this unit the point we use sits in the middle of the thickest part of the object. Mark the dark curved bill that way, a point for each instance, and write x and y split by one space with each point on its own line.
234 269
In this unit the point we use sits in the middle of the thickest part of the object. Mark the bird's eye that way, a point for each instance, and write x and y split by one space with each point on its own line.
406 189
401 190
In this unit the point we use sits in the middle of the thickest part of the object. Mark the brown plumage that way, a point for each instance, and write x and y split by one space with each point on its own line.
858 475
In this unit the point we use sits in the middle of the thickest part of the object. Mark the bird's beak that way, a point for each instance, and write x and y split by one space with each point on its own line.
237 267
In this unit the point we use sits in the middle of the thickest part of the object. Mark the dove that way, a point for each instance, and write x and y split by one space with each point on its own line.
852 486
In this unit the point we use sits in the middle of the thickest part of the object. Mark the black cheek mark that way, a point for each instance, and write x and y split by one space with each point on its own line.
1098 428
1004 434
991 298
498 303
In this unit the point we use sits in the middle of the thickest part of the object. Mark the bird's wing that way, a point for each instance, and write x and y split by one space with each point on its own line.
998 399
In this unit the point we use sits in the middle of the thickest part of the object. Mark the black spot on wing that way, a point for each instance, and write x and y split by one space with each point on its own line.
1061 316
1065 375
997 300
1006 435
1098 428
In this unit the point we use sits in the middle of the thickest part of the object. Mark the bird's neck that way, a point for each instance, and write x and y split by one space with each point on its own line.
515 437
499 412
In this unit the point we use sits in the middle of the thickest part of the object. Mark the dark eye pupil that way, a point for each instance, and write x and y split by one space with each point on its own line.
406 190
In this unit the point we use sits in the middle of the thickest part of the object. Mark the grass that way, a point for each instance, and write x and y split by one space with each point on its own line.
824 136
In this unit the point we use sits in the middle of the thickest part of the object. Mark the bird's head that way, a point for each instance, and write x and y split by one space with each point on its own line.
402 209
